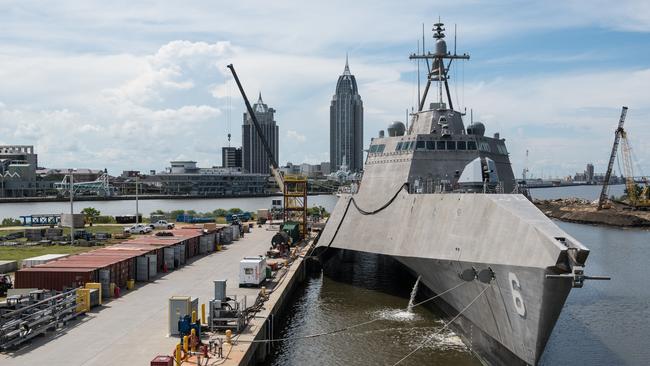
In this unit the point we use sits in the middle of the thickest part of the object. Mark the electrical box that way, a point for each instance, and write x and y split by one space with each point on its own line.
252 271
220 290
180 306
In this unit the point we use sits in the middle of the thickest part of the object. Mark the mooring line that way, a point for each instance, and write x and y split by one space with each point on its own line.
443 328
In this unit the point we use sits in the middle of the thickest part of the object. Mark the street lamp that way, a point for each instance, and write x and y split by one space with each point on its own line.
71 190
137 211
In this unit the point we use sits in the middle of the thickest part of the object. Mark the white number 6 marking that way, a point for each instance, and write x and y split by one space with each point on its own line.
517 299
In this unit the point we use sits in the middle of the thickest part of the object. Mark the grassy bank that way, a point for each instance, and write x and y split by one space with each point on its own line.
20 253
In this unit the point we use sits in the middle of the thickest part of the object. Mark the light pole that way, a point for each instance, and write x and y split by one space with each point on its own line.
137 213
71 180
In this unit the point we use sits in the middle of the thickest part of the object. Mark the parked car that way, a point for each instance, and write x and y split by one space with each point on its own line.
162 224
138 229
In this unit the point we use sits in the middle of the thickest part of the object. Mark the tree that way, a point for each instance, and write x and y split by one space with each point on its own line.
235 211
90 213
220 212
11 222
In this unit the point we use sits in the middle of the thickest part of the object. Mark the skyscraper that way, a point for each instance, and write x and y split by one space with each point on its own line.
346 124
254 156
231 157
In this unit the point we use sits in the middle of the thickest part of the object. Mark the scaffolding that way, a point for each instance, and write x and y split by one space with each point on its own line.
295 202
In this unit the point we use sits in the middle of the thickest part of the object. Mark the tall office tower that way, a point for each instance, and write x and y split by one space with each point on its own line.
589 173
346 124
231 157
254 156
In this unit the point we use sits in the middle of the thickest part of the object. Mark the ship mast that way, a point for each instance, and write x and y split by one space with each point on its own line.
439 72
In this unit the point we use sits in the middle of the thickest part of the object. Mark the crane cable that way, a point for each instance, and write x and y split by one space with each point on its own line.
441 330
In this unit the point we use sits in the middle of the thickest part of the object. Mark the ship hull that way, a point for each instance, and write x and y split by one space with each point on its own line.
514 306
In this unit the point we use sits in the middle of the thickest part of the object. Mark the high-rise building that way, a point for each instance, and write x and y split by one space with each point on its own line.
346 124
254 157
231 157
589 173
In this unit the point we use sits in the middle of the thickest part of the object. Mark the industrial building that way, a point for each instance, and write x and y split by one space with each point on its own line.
18 164
185 178
346 124
254 157
231 157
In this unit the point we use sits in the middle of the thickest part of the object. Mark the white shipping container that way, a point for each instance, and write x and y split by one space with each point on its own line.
252 271
42 259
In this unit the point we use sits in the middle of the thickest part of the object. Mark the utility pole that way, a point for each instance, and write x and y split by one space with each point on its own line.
137 214
71 180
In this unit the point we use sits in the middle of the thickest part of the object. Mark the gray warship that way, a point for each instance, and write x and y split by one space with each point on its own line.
442 200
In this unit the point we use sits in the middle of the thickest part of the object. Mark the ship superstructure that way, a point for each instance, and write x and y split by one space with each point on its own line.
441 199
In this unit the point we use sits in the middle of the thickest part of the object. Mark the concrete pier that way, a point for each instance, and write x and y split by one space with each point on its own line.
133 329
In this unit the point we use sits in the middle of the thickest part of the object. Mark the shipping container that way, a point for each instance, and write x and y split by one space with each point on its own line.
54 278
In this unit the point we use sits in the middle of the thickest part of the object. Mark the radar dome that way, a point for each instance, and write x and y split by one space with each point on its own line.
476 128
441 47
396 128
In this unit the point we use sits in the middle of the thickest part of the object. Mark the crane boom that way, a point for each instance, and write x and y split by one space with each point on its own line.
617 138
273 163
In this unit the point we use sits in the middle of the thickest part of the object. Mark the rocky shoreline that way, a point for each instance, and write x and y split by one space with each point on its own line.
585 212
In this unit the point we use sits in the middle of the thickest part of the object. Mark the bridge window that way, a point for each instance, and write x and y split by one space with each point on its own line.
431 145
440 145
420 145
461 145
399 146
471 145
451 145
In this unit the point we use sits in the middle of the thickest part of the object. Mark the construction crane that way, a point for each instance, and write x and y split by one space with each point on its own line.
638 200
617 138
294 188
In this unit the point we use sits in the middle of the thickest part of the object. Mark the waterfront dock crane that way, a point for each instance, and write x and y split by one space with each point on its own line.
294 188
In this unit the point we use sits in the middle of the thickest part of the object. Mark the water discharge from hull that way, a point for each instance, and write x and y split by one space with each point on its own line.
414 292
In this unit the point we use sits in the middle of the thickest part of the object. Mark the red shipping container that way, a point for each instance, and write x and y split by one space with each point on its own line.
162 361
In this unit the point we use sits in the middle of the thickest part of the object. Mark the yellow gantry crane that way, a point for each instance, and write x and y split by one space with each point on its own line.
293 188
636 199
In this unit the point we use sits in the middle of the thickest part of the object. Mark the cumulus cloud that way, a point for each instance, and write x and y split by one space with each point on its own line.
136 90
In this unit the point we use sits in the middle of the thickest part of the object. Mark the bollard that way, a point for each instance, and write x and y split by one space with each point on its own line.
193 316
178 354
185 344
229 336
203 319
193 340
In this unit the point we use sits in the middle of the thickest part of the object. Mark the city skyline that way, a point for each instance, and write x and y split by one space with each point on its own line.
550 77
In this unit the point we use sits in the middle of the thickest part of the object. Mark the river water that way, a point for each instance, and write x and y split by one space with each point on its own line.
604 323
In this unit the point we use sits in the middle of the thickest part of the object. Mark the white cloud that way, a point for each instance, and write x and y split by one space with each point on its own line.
293 135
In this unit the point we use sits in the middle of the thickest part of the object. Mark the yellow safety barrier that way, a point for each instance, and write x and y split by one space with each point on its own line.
112 289
193 317
83 300
185 344
178 355
98 286
203 319
130 284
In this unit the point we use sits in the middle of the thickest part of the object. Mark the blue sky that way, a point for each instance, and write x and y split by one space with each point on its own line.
133 86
